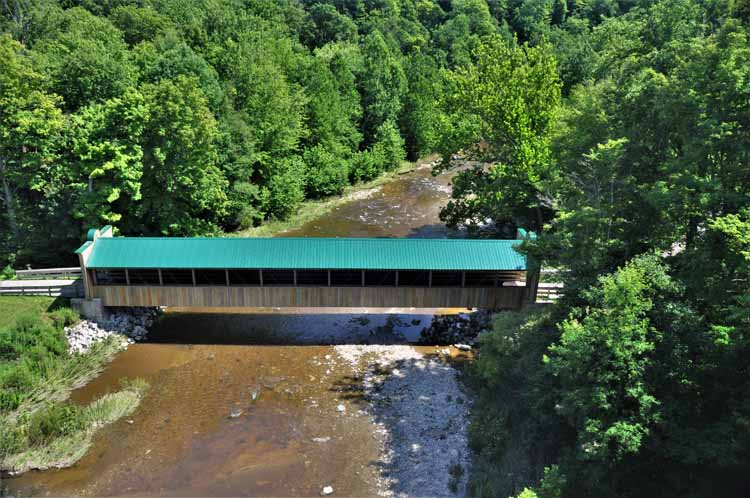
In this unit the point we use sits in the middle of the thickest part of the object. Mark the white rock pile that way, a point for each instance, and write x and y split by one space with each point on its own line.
421 415
129 324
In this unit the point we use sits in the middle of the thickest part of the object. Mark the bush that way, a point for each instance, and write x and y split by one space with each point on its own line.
327 174
286 187
28 352
33 330
12 439
367 165
53 421
16 380
389 145
8 273
64 317
244 201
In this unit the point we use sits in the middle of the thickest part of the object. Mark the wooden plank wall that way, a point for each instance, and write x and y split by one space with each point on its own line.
312 297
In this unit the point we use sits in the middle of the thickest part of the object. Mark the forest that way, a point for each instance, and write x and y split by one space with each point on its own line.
617 131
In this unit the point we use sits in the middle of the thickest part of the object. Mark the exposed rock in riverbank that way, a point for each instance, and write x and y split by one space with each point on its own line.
130 324
421 413
456 329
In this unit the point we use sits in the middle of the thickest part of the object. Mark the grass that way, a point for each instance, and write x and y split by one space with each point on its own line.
65 447
73 372
38 429
11 307
312 209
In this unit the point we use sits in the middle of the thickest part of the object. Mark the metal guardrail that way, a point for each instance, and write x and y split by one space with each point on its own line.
49 273
548 292
60 288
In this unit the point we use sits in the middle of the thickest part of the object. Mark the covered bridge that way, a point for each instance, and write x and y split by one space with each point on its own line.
301 272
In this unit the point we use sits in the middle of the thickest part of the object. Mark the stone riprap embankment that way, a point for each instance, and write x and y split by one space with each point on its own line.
460 329
129 324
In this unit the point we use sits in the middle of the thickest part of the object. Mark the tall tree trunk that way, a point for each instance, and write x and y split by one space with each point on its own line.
10 210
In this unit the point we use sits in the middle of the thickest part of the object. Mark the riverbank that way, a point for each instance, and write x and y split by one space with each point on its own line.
39 368
420 410
58 435
312 209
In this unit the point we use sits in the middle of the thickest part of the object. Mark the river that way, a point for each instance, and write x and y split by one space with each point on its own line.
260 402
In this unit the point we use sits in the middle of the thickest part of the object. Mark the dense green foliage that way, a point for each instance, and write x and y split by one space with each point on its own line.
191 117
636 179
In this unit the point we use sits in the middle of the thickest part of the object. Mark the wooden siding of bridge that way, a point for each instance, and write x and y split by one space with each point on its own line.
312 297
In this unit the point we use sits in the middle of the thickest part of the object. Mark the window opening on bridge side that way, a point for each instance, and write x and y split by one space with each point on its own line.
442 278
482 279
380 278
278 277
413 278
315 278
110 277
177 277
346 278
145 276
244 277
210 277
509 276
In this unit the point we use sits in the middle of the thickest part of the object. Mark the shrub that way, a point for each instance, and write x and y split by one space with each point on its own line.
244 201
12 439
366 165
64 317
8 273
53 421
32 330
327 174
286 187
389 145
16 380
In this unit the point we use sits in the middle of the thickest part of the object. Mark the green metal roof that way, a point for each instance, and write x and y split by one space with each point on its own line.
306 253
83 247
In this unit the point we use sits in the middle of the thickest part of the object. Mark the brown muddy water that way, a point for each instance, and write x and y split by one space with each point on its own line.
247 403
408 206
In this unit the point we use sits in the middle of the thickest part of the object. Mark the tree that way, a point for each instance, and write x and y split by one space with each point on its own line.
389 145
327 174
106 163
418 114
382 85
344 60
30 126
138 24
331 116
286 187
327 25
183 190
86 57
602 359
500 110
168 56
